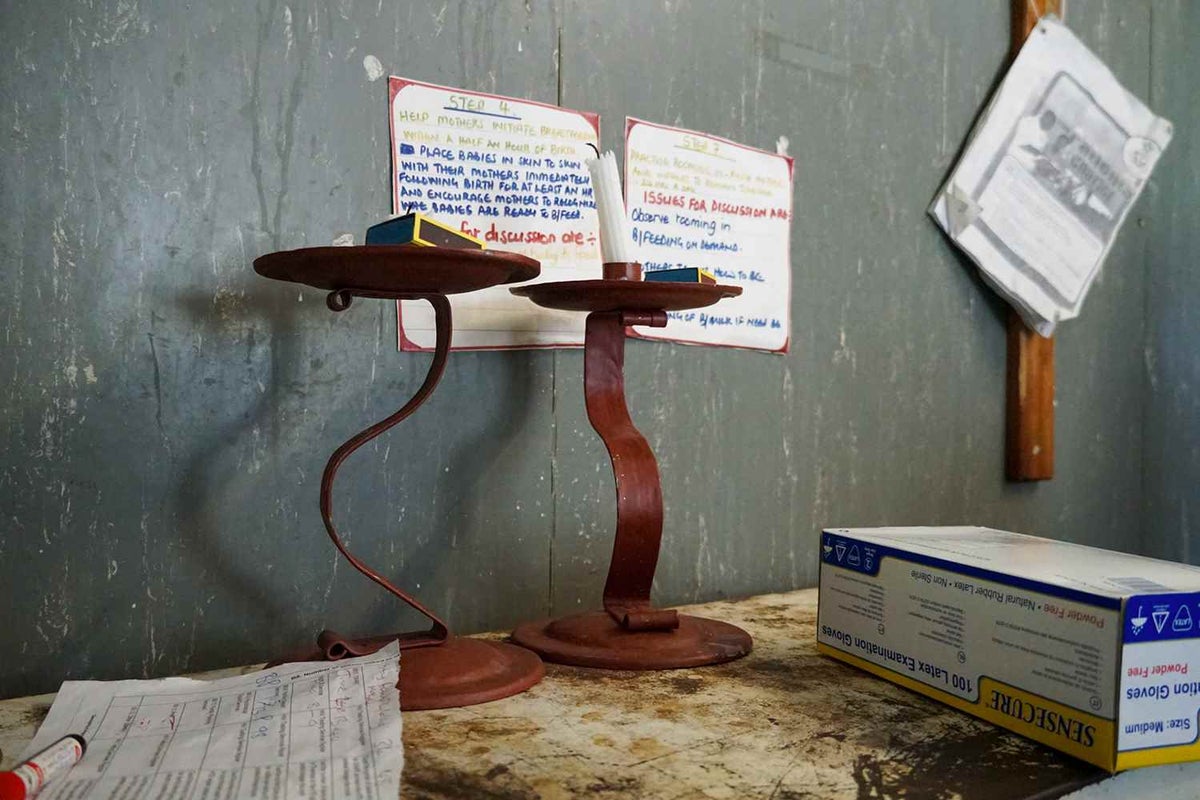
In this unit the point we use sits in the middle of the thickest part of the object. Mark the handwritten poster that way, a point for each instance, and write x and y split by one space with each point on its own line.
696 200
510 172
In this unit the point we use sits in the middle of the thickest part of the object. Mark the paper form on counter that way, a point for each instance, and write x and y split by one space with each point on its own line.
328 730
696 200
512 173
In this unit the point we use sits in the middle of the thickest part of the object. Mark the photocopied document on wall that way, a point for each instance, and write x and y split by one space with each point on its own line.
696 200
1052 168
512 173
327 730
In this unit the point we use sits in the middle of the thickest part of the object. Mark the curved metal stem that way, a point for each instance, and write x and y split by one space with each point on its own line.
635 473
336 646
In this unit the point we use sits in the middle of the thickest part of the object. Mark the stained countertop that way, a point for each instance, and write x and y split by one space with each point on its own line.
784 722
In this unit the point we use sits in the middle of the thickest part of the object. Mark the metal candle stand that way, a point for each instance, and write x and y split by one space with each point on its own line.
629 633
440 670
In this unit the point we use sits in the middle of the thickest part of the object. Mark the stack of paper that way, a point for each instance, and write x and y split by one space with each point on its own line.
1051 170
328 730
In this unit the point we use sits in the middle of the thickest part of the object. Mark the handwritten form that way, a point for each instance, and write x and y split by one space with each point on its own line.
326 731
512 173
696 200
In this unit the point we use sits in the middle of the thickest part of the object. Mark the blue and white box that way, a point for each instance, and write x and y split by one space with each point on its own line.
1092 652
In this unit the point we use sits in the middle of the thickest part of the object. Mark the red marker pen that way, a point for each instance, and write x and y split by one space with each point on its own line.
29 777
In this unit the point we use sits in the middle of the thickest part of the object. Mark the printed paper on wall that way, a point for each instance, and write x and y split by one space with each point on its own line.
1059 158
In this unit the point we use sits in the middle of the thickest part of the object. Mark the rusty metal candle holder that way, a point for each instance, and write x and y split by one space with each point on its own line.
439 670
630 633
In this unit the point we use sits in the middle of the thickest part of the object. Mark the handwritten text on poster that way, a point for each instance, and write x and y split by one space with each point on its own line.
510 172
696 200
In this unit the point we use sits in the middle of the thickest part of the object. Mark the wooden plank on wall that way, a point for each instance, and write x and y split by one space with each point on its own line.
1029 439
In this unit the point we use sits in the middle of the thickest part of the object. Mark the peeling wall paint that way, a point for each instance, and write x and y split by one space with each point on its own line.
1172 353
166 413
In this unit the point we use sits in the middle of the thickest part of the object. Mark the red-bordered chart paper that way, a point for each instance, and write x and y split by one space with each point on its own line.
512 173
696 200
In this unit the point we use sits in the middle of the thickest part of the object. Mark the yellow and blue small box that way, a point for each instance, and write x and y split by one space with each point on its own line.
681 275
418 229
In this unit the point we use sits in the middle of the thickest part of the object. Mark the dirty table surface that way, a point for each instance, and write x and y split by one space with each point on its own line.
784 722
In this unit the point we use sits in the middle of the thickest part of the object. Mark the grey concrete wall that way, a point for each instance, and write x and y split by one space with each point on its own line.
1172 525
166 413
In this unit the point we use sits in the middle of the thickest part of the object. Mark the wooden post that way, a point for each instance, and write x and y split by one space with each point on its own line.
1029 438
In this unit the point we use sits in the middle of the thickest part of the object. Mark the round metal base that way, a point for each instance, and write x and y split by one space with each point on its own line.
463 672
594 639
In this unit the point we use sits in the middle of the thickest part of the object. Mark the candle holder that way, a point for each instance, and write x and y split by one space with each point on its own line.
439 670
630 633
